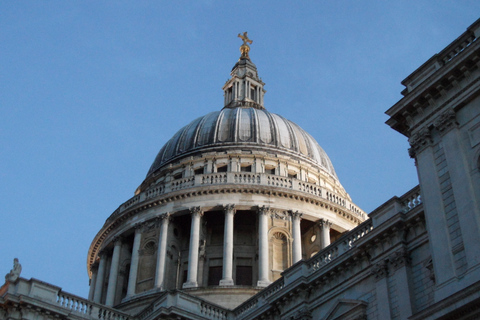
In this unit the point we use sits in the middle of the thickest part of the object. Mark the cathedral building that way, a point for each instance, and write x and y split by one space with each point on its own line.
242 216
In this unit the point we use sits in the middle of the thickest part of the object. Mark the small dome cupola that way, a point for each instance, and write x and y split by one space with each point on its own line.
244 88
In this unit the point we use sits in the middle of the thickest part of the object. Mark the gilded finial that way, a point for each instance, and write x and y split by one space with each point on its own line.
245 48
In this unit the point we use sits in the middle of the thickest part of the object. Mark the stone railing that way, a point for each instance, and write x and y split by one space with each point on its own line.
458 46
246 178
411 199
131 202
279 181
212 312
87 309
339 247
155 191
182 183
52 297
214 178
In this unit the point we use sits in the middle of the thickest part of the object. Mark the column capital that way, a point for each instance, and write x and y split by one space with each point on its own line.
167 216
138 226
324 223
264 210
117 240
446 121
229 208
420 140
94 266
399 258
196 211
103 253
379 270
295 214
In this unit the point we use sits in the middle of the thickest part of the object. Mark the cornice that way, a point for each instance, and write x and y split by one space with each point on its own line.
441 88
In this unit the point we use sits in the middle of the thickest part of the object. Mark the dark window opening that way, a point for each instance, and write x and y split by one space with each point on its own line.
198 171
246 169
292 176
270 171
185 275
244 276
222 169
214 276
177 176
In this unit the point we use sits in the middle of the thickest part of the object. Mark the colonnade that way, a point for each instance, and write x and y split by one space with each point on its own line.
99 270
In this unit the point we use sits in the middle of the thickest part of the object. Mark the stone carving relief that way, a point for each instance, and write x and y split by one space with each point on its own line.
420 140
379 270
399 259
445 121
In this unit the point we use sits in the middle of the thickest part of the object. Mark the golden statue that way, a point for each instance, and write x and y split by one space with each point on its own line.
245 48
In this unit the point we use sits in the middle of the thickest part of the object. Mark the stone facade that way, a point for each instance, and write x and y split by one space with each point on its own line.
238 228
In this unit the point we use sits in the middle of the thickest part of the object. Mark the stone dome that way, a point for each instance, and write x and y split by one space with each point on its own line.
240 127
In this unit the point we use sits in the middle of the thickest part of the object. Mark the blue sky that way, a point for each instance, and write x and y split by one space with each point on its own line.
92 90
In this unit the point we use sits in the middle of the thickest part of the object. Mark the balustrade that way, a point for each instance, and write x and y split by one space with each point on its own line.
411 199
241 178
182 183
85 309
246 178
155 191
131 202
343 244
212 312
279 181
214 178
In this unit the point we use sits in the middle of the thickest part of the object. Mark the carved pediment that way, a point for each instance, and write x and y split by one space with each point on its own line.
346 309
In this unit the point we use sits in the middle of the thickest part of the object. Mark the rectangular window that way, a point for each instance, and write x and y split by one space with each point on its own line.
246 169
177 176
214 276
222 169
270 171
244 276
198 171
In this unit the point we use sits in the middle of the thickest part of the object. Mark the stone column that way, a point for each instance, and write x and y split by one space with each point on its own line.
399 263
263 278
97 296
112 279
194 245
324 232
297 236
437 226
460 173
93 281
379 271
227 279
132 278
162 251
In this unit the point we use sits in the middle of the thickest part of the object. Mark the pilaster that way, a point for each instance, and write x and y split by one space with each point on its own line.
380 271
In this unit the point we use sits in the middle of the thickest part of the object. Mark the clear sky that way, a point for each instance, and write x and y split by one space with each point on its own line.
91 90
